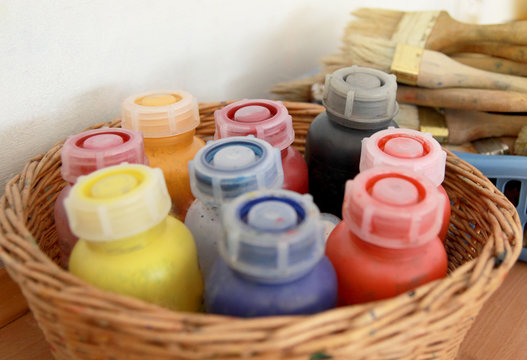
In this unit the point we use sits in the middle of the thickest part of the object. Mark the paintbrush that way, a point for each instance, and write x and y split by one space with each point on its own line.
302 90
435 30
457 127
466 125
488 146
514 53
490 63
297 90
432 121
466 99
425 68
461 130
305 89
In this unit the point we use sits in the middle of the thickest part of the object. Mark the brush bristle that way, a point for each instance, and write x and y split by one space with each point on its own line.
520 146
407 117
358 49
371 52
373 22
297 90
335 61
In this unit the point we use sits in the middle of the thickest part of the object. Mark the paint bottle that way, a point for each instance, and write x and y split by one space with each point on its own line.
412 150
84 153
267 120
128 244
221 171
272 258
387 243
359 102
168 120
330 221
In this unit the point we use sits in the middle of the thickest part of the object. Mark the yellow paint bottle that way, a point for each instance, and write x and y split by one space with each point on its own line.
168 120
128 243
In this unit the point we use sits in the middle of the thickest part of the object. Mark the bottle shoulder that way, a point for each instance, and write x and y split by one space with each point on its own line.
323 126
173 242
203 219
230 294
343 245
229 277
176 152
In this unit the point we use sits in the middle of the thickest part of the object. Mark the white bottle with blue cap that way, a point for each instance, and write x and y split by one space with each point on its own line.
272 258
221 171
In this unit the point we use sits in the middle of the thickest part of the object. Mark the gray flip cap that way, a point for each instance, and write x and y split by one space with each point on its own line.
360 97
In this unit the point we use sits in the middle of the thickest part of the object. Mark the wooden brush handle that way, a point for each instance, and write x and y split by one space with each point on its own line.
437 70
448 31
467 147
466 125
467 99
516 53
511 32
493 64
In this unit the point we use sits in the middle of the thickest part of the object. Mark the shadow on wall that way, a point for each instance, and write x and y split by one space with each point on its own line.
290 52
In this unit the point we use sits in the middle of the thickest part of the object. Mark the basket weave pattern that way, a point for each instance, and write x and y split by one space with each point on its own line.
82 322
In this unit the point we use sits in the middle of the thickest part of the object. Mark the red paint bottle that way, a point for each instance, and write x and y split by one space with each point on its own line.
387 243
267 120
411 150
84 153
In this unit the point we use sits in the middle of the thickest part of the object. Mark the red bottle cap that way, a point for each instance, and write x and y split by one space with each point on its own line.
393 208
96 149
265 119
405 149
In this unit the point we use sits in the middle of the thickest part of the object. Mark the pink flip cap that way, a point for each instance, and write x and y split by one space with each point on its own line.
392 208
395 191
267 120
404 149
253 113
102 141
95 149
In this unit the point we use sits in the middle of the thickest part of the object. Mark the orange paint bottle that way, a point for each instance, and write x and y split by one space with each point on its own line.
168 120
387 243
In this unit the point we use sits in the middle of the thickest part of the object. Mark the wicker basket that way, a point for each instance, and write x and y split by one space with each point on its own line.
82 322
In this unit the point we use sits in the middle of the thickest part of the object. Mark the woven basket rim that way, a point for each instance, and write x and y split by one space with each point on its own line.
37 273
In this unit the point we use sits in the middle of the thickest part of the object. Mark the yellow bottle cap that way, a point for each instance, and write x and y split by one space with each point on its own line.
158 100
160 113
117 202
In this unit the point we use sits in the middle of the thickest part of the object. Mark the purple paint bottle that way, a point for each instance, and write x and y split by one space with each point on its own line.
272 258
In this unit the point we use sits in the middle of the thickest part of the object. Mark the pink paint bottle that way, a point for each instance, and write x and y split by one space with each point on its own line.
84 153
267 120
412 150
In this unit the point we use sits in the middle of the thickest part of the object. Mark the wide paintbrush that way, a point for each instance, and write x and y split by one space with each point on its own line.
457 127
467 99
434 30
490 63
425 68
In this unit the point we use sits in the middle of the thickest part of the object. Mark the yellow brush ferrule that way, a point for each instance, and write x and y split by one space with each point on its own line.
432 122
406 62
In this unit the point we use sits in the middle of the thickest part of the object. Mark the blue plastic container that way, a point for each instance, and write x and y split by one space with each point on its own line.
272 258
509 174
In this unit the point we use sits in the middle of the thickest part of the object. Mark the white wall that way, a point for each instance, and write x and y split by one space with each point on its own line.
66 64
